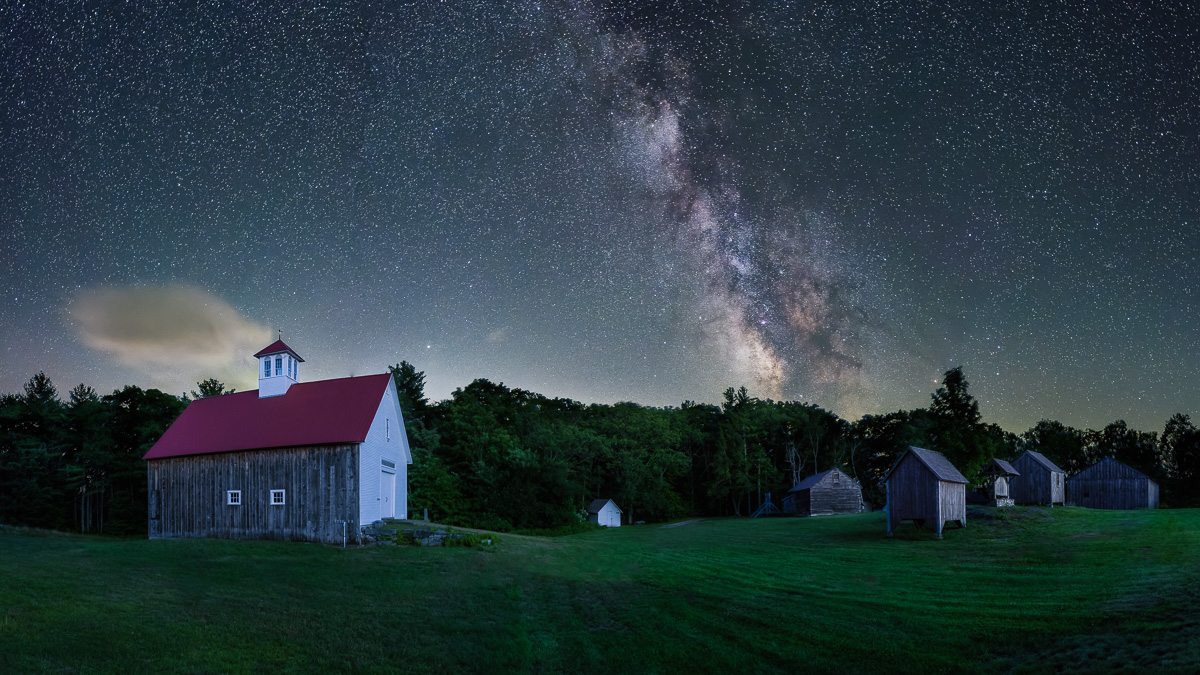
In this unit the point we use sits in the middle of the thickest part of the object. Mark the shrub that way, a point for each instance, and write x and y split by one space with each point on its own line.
473 540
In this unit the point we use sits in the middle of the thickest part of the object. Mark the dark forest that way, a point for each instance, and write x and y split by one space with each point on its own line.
508 459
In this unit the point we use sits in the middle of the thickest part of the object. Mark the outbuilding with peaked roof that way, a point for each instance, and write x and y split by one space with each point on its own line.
1040 482
998 473
1109 484
306 461
923 486
604 512
825 493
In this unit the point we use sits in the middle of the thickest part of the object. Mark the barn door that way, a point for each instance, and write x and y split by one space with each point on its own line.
387 494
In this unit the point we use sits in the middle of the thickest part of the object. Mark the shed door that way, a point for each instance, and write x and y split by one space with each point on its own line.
387 494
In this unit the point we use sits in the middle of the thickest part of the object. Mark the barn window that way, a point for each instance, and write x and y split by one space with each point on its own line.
278 365
277 497
837 478
233 497
267 367
387 426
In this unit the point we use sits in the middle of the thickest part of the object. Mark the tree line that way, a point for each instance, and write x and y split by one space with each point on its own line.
508 459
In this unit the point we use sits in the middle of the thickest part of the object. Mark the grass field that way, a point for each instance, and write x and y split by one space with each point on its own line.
1060 590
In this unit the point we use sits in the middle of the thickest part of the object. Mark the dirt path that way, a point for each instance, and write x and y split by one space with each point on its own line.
685 522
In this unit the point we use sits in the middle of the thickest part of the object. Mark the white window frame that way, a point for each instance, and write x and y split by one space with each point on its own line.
267 367
233 497
278 497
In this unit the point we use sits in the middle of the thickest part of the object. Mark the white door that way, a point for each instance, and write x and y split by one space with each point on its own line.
387 495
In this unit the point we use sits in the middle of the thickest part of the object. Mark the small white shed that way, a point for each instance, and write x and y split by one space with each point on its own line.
604 512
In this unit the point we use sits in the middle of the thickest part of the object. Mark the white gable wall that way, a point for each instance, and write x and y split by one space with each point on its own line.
385 440
609 515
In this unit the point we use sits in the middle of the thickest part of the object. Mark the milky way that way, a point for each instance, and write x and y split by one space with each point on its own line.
828 202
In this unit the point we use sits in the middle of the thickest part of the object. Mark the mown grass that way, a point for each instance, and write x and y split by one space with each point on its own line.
1029 591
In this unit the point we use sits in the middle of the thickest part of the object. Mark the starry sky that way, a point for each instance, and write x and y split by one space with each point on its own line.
831 202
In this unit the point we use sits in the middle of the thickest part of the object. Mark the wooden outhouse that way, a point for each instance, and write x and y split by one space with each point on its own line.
823 494
297 461
1040 482
923 486
604 512
1109 484
998 474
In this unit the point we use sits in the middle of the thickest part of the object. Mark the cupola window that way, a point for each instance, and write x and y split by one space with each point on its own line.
278 365
267 367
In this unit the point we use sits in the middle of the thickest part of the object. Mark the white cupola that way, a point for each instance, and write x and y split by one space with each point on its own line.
278 369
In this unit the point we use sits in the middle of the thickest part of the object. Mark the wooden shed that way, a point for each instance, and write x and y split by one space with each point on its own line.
923 486
297 461
1040 482
824 494
604 512
998 474
1109 484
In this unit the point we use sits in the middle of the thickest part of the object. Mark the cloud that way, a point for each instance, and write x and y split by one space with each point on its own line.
180 328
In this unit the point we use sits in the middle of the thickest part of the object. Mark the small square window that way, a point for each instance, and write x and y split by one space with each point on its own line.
233 497
277 497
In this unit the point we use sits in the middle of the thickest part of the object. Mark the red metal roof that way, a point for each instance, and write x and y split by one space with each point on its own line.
278 347
310 413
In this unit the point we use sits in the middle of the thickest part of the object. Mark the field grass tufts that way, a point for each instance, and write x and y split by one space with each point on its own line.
1025 590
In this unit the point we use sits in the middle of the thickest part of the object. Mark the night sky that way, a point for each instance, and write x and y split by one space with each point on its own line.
827 202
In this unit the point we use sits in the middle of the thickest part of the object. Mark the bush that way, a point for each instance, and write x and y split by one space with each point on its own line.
473 540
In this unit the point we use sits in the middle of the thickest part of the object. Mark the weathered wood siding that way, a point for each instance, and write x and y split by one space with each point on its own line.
1109 484
1037 485
826 498
1001 487
914 493
188 495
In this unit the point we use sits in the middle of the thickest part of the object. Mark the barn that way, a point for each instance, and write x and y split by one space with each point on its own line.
998 474
604 512
295 461
923 486
1109 484
824 494
1040 482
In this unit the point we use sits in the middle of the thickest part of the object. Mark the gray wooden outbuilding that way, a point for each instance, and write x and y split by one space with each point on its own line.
998 473
1109 484
923 486
825 493
1041 482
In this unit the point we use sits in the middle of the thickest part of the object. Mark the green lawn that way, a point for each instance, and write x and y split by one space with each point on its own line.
1059 590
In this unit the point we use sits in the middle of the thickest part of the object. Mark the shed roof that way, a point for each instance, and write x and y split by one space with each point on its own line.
598 504
1108 468
817 478
999 467
1042 461
310 413
933 460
